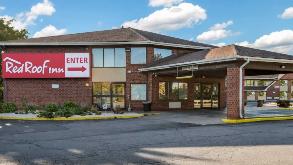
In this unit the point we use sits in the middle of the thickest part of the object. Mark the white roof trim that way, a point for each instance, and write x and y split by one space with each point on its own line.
216 61
188 63
101 43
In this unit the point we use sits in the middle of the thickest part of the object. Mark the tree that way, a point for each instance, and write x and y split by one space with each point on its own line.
7 32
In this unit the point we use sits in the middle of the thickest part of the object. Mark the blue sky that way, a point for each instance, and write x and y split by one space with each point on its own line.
255 23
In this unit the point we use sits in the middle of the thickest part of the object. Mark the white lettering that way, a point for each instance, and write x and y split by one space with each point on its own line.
12 66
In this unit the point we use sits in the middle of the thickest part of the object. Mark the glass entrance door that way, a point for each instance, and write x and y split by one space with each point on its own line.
206 95
109 95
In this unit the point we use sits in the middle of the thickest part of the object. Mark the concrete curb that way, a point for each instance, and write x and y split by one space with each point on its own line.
257 119
72 118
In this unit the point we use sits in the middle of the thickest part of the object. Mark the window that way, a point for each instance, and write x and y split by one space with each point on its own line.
138 55
109 57
249 83
163 90
161 53
108 95
98 57
179 90
138 91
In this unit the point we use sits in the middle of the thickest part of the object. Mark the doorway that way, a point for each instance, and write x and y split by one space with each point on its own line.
108 95
206 95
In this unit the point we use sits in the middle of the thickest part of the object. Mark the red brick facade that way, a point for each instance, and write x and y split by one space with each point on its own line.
40 91
232 85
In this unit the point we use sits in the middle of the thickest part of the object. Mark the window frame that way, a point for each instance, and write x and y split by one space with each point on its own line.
167 88
146 56
146 91
103 60
177 98
157 48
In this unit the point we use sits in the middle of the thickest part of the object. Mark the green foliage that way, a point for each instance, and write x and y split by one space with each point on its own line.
30 109
7 32
8 108
284 103
66 110
49 111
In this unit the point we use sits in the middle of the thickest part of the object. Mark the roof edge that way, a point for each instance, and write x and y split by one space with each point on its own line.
101 43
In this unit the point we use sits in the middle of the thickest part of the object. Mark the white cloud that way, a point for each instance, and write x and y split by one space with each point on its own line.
170 18
216 32
2 7
24 19
220 44
288 13
166 3
279 41
49 30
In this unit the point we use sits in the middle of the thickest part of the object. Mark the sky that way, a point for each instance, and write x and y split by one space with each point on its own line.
263 24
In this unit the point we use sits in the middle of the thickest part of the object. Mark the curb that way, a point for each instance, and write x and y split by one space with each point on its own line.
257 119
71 118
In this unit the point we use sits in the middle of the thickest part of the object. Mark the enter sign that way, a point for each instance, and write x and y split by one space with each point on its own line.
77 65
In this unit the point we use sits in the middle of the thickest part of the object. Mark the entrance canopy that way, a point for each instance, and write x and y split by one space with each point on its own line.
229 63
206 62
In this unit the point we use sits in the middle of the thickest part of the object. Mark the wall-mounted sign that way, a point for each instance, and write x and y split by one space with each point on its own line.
45 65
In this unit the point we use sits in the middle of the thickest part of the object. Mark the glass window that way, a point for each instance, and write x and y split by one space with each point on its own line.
98 57
180 90
163 90
138 91
120 57
138 55
118 89
161 53
109 57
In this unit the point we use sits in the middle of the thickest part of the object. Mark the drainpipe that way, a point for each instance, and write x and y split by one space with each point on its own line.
241 88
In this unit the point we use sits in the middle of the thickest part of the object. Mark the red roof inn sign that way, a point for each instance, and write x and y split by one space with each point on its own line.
45 65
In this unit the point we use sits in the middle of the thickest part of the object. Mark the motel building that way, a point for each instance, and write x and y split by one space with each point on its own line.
126 67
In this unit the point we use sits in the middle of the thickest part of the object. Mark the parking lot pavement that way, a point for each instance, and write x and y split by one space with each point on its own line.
150 140
251 110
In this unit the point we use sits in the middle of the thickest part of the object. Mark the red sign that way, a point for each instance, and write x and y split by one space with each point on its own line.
45 65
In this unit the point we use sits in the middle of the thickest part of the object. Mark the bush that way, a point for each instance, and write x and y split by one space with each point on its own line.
260 103
30 109
49 111
8 108
284 103
73 108
66 110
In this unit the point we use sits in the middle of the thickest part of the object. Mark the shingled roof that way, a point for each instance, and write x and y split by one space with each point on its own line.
217 54
115 35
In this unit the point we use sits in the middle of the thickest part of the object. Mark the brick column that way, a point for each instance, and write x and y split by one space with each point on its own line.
232 90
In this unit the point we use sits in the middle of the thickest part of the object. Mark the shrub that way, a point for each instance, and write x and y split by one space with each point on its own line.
8 108
75 109
260 103
284 103
49 111
30 109
63 112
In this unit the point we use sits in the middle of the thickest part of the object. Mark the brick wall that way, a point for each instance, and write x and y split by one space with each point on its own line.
232 91
133 76
40 92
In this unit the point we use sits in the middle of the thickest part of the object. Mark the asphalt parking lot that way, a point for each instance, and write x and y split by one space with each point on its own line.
150 140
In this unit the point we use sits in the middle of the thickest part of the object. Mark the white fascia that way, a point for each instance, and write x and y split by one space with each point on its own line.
101 44
254 59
